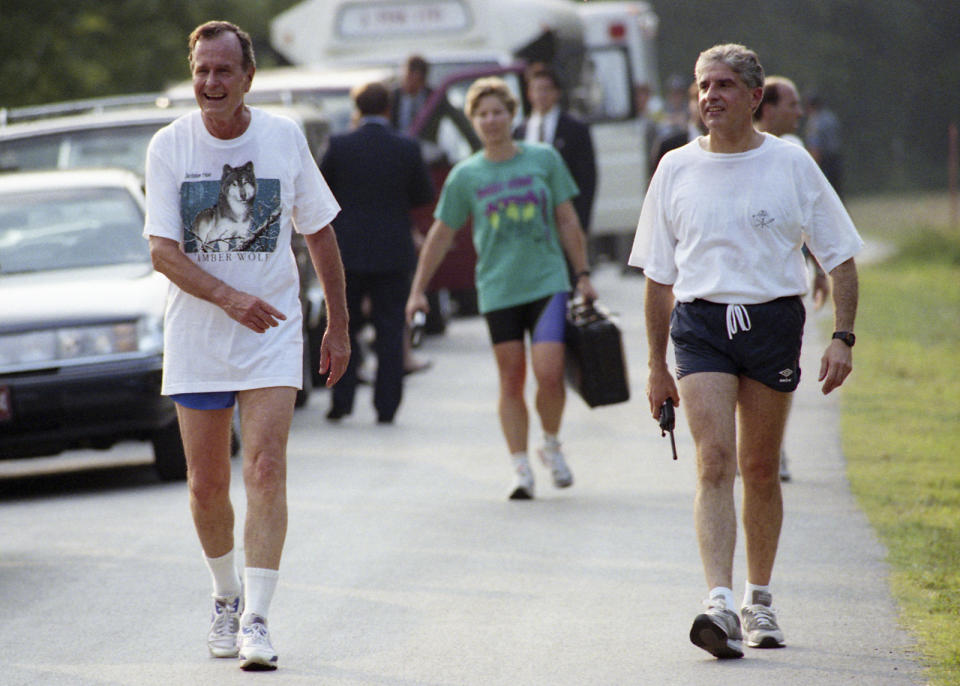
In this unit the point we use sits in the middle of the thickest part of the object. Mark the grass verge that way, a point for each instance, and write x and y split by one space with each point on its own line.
901 428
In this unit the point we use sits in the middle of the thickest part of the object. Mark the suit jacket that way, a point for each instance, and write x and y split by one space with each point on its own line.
575 145
395 95
377 176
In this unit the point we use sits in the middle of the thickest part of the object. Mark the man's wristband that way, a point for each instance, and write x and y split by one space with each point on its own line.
581 274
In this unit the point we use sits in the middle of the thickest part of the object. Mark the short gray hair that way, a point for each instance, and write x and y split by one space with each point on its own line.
742 60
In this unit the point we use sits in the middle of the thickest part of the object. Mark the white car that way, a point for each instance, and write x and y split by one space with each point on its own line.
81 319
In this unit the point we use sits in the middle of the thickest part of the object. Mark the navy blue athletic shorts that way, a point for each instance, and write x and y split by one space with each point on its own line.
761 342
545 319
217 400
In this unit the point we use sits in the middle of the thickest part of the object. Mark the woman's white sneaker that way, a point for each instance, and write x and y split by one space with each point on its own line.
522 480
552 458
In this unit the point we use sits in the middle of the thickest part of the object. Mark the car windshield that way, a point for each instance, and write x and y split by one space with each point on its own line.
69 228
114 146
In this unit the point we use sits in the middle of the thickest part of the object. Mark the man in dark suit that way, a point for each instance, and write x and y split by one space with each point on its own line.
407 99
377 176
548 123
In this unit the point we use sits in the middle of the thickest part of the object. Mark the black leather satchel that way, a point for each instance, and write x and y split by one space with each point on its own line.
595 365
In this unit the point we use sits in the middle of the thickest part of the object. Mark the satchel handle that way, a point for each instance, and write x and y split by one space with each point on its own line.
582 311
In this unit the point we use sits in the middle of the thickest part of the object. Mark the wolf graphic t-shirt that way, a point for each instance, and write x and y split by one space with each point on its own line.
233 205
512 203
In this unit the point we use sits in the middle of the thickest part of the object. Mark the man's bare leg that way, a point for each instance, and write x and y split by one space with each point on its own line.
206 441
763 415
709 401
265 417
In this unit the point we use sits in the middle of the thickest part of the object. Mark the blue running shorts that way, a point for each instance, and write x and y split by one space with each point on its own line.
761 342
218 400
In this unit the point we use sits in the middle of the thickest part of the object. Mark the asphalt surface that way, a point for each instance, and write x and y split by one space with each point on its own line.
406 564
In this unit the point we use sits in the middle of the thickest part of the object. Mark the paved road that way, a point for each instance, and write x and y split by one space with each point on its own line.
405 564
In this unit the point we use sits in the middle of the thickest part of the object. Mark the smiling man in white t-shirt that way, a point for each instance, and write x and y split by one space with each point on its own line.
226 187
720 235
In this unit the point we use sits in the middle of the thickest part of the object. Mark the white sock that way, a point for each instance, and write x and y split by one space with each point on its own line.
748 592
223 571
551 440
725 593
259 587
520 457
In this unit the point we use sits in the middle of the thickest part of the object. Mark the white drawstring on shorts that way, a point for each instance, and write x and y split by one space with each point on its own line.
738 319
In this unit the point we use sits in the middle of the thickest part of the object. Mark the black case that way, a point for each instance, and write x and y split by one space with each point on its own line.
595 365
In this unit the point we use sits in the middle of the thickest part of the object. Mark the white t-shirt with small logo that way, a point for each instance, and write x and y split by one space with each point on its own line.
232 205
729 228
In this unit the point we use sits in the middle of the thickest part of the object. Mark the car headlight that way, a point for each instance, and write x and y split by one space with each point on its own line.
150 335
75 344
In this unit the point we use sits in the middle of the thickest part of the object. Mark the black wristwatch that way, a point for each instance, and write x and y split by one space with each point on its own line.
845 336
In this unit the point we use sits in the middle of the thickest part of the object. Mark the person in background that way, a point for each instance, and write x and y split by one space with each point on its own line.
778 114
550 123
675 116
519 197
226 187
822 134
719 239
378 176
411 95
681 136
647 121
779 111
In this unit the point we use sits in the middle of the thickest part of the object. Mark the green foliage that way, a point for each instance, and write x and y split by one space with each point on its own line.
53 51
901 426
871 59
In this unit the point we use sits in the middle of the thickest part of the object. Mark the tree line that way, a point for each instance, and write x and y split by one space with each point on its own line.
888 68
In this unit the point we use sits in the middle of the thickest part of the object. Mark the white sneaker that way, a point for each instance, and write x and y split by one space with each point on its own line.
256 652
718 631
760 623
553 459
224 625
523 480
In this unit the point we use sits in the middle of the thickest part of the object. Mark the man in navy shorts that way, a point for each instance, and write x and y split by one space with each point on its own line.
721 234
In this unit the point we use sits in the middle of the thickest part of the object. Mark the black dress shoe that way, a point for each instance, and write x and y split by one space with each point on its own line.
336 414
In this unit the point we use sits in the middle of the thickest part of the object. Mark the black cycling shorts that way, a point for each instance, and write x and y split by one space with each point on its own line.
545 319
761 342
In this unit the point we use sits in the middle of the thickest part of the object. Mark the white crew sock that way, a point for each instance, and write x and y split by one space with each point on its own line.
259 585
725 593
223 572
519 460
748 592
551 440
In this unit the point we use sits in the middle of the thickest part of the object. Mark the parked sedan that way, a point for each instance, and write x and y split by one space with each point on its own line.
81 319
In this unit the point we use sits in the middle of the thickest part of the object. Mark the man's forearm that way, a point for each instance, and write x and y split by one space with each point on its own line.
325 255
170 261
657 306
846 293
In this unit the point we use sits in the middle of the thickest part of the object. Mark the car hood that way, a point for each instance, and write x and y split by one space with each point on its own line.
76 296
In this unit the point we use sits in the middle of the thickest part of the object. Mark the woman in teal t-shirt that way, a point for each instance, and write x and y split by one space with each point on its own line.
519 197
